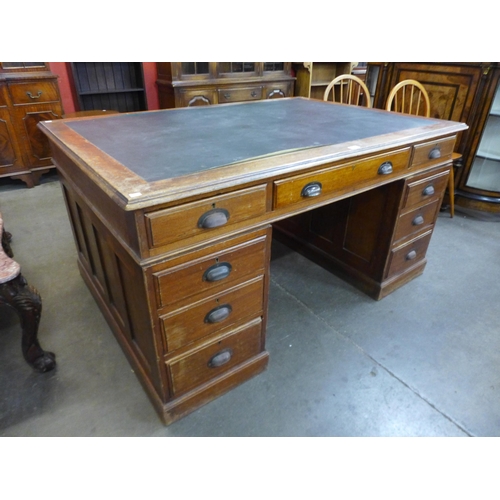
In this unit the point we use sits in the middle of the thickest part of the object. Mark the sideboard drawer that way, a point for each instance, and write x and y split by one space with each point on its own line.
407 255
195 321
209 361
239 94
207 270
416 221
433 152
204 216
276 90
321 184
425 189
195 97
33 92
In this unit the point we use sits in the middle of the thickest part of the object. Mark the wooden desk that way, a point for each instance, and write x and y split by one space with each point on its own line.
172 213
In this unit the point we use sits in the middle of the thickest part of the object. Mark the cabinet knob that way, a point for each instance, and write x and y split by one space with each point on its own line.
428 190
31 96
217 272
435 153
213 218
220 358
411 255
219 313
418 220
385 168
312 189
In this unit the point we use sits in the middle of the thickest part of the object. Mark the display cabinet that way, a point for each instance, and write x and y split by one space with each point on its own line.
314 77
479 187
29 93
182 84
459 91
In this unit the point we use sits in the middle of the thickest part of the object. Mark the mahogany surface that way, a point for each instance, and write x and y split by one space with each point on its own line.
173 211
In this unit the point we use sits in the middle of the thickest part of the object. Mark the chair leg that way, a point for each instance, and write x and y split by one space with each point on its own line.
451 191
28 304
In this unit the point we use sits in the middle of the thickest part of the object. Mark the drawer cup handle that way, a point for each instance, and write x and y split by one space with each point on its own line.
312 189
31 96
213 218
221 358
218 314
418 220
411 255
217 272
385 168
435 153
428 190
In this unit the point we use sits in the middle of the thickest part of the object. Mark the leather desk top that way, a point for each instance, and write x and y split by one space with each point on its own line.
171 143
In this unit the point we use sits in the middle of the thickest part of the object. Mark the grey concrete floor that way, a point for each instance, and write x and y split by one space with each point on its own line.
424 361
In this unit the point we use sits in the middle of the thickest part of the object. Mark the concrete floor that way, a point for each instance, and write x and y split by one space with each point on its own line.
424 361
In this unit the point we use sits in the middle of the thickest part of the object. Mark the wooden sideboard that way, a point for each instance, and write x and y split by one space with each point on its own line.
29 93
173 213
182 84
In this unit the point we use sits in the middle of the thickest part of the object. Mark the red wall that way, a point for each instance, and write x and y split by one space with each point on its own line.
69 104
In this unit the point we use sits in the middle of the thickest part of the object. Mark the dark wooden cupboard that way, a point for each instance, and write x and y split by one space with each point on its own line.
184 84
29 93
117 86
463 92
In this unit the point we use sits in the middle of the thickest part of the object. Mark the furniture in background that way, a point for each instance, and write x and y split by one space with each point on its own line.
314 77
29 93
25 300
348 89
117 86
174 235
462 92
410 97
182 84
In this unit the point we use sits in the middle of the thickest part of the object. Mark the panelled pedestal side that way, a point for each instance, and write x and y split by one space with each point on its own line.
183 281
28 94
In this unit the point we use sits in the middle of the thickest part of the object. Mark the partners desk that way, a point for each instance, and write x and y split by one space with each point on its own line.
172 213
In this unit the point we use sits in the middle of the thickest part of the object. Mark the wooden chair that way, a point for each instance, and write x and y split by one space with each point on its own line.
26 301
410 97
351 90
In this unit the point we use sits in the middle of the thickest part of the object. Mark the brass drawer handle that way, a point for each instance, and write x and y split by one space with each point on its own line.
217 272
31 96
213 218
227 96
218 314
417 221
411 255
428 190
435 153
253 93
385 168
221 358
312 189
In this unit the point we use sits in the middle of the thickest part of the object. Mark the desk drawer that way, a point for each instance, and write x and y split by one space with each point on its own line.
195 321
416 221
33 92
311 188
425 189
209 269
240 94
211 360
433 152
407 255
204 216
